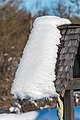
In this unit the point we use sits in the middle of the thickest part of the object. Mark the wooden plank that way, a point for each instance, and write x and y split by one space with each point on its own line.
73 84
72 37
69 105
69 26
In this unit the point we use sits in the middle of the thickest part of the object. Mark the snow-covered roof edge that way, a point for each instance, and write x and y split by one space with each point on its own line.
40 54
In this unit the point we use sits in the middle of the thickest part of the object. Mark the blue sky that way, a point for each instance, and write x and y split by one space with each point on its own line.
33 6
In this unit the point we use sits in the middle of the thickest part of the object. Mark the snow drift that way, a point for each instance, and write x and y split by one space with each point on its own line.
36 71
23 116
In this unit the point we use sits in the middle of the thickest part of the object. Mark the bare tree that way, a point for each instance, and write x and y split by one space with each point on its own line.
60 9
66 9
14 3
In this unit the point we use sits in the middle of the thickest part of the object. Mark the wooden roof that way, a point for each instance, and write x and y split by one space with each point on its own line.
67 51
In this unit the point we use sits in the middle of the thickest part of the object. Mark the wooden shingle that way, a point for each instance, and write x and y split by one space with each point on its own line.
68 48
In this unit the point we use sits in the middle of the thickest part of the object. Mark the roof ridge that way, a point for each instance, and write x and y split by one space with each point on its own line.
65 26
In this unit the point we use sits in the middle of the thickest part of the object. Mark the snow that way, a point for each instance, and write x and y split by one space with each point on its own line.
35 115
14 110
36 71
23 116
38 115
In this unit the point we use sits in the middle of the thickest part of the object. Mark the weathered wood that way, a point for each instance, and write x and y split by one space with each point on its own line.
71 31
72 37
66 66
69 26
69 105
71 43
74 84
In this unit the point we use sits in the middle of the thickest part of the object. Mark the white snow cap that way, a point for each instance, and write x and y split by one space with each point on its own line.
36 71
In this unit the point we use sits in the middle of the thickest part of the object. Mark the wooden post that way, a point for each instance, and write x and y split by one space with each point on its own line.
69 105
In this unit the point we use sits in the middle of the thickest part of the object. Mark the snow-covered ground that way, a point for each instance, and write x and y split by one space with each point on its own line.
24 116
35 115
36 71
38 115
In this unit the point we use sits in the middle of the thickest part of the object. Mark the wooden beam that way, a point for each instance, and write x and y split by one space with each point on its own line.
69 105
73 84
68 26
